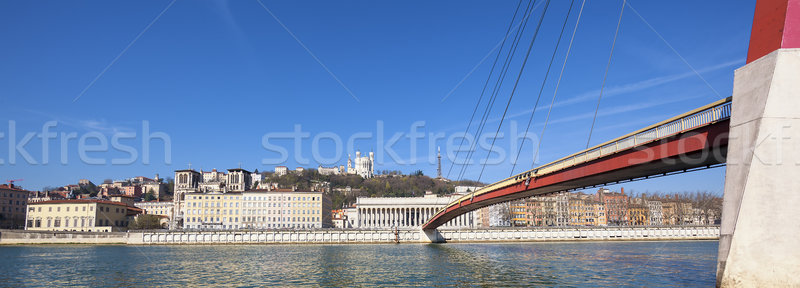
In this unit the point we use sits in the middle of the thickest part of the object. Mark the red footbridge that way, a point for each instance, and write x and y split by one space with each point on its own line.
695 140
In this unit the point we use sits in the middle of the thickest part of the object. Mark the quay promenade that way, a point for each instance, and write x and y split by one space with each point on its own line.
360 236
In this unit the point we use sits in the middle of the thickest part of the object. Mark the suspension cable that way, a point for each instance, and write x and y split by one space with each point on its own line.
558 84
486 84
493 95
514 89
605 76
541 89
498 84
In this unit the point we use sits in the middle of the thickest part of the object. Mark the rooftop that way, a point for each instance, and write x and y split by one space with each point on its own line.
7 187
79 201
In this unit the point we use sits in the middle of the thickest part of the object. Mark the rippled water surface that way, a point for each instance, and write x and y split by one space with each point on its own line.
675 264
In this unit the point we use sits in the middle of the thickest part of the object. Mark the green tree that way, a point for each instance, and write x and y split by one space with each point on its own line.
170 186
150 195
145 222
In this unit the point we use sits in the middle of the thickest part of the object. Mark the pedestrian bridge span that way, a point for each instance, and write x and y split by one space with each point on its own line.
697 139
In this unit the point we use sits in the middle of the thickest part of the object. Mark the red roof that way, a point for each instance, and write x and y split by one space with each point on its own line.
134 211
5 186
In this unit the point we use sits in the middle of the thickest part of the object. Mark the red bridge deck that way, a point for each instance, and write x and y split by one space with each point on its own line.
696 139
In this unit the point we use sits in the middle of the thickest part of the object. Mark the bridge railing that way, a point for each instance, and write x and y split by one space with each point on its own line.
718 111
711 113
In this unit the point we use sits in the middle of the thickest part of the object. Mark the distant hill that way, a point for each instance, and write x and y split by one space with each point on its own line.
386 185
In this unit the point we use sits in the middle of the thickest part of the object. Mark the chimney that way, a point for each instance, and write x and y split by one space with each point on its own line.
622 190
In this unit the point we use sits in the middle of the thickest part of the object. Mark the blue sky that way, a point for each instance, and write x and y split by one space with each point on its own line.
217 76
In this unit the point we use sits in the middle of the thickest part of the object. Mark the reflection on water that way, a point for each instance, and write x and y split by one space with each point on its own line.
677 264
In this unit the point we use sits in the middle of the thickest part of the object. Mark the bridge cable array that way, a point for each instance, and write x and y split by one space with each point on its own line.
500 77
558 84
605 75
486 84
544 81
514 89
498 84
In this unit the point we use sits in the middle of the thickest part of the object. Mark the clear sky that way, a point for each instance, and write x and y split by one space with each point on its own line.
218 77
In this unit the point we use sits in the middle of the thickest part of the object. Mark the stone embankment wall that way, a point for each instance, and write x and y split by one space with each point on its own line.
356 236
585 234
338 236
45 237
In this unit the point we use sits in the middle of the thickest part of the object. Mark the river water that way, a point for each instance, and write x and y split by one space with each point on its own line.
652 264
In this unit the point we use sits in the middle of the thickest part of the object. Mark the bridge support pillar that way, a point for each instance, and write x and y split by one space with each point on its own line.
432 236
761 207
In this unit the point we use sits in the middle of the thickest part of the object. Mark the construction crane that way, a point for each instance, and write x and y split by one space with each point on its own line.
11 182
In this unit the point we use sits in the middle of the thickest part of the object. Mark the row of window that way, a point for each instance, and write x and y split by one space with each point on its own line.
37 223
213 204
257 198
212 211
255 226
287 212
257 204
254 219
157 212
58 209
14 195
281 219
272 204
11 202
16 209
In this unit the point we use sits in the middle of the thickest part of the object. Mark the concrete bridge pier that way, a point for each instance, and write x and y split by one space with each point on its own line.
432 236
759 245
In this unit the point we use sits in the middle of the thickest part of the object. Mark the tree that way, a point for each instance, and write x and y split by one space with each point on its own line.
505 212
145 222
150 195
170 186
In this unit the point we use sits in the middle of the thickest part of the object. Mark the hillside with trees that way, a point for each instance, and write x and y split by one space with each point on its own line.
344 189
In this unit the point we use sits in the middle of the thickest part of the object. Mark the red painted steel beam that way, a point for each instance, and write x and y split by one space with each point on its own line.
776 25
700 147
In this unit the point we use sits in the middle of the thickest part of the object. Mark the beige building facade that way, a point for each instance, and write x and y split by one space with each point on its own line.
258 209
286 209
212 211
79 215
158 208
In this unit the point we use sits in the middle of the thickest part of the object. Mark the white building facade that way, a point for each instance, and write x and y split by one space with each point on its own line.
364 166
335 170
281 170
656 213
405 212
